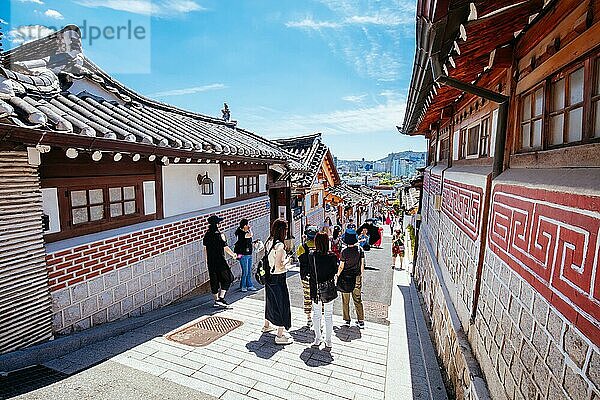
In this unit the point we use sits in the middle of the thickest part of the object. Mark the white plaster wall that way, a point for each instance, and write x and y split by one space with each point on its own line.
230 187
456 140
262 183
181 192
149 197
50 207
80 85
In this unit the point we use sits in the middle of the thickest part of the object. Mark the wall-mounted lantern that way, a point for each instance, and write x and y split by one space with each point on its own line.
206 184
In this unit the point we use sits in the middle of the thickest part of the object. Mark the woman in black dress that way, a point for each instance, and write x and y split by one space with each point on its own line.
277 296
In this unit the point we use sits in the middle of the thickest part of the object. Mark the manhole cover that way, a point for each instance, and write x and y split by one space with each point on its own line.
375 310
28 379
204 331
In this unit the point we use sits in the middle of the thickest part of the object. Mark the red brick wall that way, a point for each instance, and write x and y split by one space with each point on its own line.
71 266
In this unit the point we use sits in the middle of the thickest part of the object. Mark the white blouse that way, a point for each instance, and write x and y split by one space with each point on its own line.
278 257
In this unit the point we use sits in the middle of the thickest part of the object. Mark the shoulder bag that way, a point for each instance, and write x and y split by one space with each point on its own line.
326 291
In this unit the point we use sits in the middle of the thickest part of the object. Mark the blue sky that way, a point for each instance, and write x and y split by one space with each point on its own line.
340 67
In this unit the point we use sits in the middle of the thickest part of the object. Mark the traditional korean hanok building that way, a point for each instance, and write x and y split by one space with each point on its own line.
105 193
309 180
508 95
356 203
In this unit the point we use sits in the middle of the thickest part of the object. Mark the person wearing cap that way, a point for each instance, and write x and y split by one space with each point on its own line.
303 253
219 273
349 282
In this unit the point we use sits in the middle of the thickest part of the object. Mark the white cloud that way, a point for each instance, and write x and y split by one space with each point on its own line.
309 23
366 34
190 90
157 8
355 98
32 1
53 14
28 33
359 120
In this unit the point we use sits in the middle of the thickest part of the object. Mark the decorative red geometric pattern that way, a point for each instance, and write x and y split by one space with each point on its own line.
552 240
462 204
68 267
426 178
435 184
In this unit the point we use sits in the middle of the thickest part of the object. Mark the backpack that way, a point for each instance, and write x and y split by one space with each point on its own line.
304 260
263 269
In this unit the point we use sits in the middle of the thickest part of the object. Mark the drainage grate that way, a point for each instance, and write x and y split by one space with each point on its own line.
204 331
375 310
28 379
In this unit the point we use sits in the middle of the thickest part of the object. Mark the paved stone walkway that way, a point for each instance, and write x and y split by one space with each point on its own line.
394 361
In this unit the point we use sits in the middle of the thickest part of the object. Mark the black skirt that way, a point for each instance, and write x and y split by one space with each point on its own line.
277 298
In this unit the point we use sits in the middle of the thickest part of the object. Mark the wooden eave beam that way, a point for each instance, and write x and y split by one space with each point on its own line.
485 34
501 57
33 137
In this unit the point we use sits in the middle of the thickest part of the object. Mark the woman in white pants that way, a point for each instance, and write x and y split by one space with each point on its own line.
323 268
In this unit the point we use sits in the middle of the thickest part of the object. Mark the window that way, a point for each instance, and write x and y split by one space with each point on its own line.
462 144
247 185
484 138
532 107
314 200
566 108
101 204
596 100
122 201
473 143
570 112
86 206
444 146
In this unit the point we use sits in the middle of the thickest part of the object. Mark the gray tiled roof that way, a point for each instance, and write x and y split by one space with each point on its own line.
353 196
37 93
310 151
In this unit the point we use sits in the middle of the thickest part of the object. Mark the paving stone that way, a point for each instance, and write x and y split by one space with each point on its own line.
194 383
229 380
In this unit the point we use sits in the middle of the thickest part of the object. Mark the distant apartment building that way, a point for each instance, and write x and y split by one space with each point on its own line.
379 166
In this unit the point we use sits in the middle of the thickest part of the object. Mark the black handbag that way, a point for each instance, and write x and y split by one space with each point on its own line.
326 291
263 270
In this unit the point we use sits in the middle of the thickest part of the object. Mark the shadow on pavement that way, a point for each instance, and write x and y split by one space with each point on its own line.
264 347
315 357
424 367
303 335
347 333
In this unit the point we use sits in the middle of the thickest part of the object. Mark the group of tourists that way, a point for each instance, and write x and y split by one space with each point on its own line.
330 262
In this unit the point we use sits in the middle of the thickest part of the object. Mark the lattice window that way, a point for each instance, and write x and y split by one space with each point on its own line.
532 112
566 107
473 141
484 138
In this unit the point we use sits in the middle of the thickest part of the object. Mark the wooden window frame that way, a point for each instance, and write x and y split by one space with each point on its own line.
444 150
472 153
567 108
484 136
594 98
590 77
249 189
462 143
314 200
531 92
67 185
